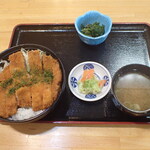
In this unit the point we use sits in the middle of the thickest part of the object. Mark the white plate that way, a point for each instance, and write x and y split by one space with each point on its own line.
101 73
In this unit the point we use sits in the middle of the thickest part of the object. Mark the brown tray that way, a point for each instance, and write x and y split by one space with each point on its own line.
127 43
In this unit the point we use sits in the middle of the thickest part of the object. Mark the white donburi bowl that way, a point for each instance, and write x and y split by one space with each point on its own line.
101 73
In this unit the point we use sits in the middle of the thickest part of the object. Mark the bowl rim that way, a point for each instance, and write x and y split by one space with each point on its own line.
31 46
99 65
96 12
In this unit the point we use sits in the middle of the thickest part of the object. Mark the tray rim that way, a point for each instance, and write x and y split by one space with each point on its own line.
82 122
95 122
53 24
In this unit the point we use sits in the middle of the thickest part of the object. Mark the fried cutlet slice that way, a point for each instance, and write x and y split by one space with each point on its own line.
16 62
5 74
2 104
34 59
11 105
50 63
23 96
8 104
56 80
41 96
35 63
37 96
47 96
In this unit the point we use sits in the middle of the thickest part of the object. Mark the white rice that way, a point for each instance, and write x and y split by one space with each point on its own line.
24 113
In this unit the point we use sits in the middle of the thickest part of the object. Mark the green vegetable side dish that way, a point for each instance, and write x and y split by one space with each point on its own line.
89 84
93 30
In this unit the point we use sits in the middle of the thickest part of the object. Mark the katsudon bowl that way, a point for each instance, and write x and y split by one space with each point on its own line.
26 112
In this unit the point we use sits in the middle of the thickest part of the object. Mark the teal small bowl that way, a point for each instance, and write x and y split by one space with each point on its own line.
91 17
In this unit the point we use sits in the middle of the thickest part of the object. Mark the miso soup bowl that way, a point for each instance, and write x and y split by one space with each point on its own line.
132 68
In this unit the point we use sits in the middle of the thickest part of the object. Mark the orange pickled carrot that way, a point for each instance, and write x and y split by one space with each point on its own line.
101 83
87 74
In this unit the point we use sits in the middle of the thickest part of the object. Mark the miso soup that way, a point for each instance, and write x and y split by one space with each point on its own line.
133 91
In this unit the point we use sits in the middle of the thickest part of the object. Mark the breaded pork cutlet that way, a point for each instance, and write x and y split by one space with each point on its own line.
34 59
50 63
47 95
18 66
41 96
11 105
16 62
5 74
35 64
37 96
2 104
46 92
41 92
8 104
23 95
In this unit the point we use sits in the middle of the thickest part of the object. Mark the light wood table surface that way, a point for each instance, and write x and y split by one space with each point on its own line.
37 136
